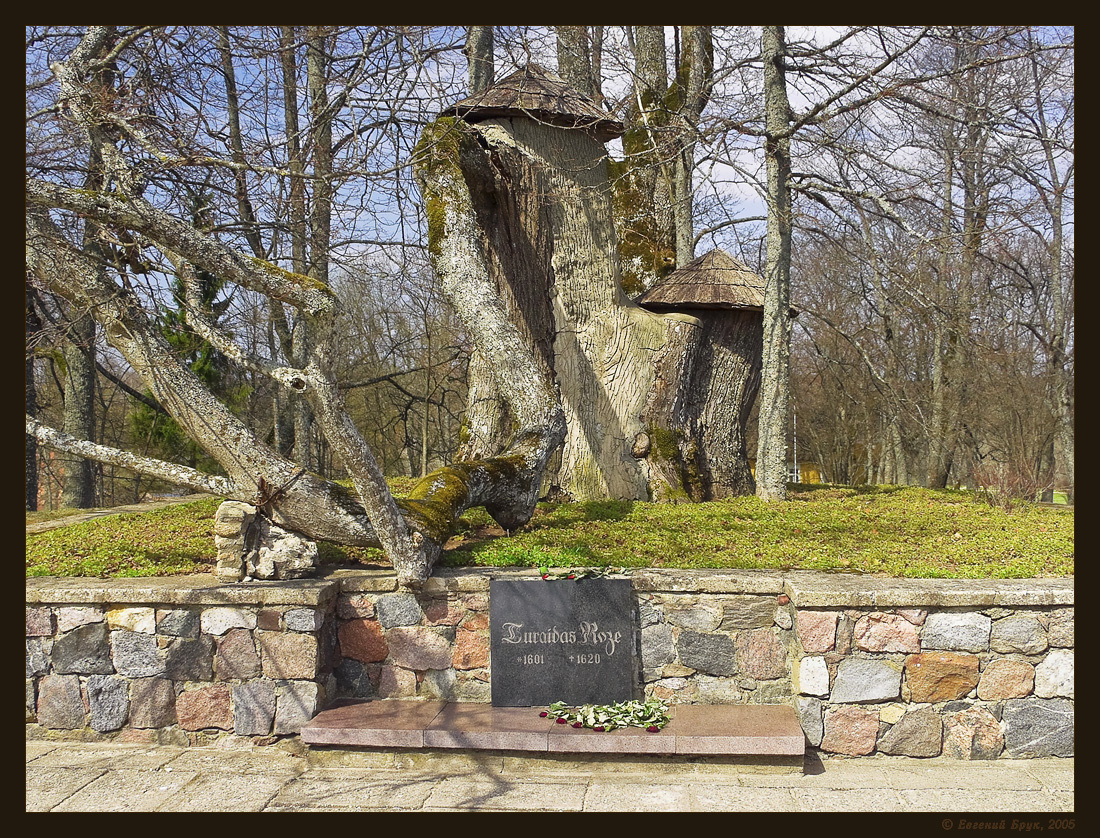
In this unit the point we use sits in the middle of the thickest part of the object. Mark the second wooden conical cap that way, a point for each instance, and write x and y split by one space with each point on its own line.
715 280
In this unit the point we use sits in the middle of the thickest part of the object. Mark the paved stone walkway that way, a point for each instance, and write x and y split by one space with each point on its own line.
92 514
110 777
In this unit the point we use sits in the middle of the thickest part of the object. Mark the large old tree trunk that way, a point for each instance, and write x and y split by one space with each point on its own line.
540 200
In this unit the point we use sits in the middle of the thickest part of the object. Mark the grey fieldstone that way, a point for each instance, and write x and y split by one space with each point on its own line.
108 702
179 622
747 612
296 702
304 619
658 648
31 700
1021 634
353 679
919 733
219 620
253 708
136 655
60 704
398 610
771 692
439 684
152 703
471 689
1060 631
280 553
38 655
962 632
861 680
647 614
783 617
236 658
712 690
83 651
695 617
1038 728
713 654
190 659
811 718
1054 676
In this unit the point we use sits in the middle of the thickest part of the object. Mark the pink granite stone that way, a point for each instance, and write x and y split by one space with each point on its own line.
1006 678
395 682
205 707
418 648
288 654
879 632
471 650
352 606
817 630
444 612
363 640
972 734
850 730
761 655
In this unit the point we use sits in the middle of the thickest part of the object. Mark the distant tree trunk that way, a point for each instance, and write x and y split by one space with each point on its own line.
79 422
771 457
33 327
575 61
480 57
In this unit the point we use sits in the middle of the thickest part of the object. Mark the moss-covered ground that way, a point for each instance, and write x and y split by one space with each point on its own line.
909 532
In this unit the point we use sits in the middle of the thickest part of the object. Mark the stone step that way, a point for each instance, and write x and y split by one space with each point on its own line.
748 731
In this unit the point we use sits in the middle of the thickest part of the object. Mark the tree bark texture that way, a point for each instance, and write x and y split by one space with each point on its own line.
541 203
771 457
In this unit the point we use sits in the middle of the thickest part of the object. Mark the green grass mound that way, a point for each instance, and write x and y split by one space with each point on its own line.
905 532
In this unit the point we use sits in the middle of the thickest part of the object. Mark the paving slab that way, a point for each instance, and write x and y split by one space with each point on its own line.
47 787
849 800
225 792
710 797
1007 804
499 793
637 797
127 790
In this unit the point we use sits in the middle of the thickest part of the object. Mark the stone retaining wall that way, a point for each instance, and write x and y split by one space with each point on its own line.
960 668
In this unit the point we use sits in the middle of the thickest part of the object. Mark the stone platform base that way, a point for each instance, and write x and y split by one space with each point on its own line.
755 733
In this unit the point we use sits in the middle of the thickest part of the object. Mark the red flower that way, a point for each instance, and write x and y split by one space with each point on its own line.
652 729
577 724
571 576
544 714
599 728
561 721
546 576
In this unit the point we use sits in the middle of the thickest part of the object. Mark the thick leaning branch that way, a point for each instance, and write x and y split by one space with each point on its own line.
176 235
172 472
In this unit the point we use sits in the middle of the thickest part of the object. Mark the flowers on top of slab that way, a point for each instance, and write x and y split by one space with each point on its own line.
651 714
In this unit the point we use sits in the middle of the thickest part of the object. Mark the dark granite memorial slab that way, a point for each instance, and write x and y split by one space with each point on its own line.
561 640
